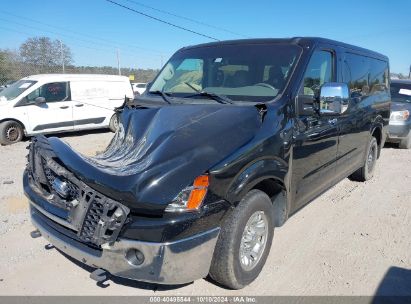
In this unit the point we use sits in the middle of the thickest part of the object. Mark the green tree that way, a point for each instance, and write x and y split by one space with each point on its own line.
8 64
4 70
44 54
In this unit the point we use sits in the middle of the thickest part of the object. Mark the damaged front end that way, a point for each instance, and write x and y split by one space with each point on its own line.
95 218
87 225
125 210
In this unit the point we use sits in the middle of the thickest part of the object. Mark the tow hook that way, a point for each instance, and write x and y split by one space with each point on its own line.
99 275
35 234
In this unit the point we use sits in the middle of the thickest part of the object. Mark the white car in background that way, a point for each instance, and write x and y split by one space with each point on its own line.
52 103
139 87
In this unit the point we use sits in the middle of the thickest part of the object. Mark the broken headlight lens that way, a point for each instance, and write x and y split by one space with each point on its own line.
190 198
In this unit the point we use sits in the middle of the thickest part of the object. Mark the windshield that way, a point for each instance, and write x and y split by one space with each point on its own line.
401 92
248 72
15 89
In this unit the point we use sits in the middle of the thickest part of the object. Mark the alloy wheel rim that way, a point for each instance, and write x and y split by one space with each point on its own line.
12 133
253 240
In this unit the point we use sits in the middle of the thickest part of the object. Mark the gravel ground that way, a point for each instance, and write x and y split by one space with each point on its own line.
353 240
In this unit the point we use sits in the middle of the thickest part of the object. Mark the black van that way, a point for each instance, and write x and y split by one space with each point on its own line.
229 140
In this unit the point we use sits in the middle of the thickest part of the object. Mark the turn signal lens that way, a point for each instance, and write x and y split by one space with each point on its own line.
198 193
190 198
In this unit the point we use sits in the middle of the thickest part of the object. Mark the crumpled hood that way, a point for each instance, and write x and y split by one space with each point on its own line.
160 150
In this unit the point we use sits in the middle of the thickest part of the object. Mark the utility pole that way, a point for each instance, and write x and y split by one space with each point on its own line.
118 61
62 56
409 75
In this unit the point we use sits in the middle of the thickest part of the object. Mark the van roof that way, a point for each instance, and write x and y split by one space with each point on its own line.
65 77
302 41
402 81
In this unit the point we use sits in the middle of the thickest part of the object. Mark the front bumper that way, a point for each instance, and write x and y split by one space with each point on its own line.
175 262
398 131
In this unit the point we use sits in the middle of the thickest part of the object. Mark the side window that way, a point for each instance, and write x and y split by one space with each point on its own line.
319 71
356 70
365 76
52 92
379 76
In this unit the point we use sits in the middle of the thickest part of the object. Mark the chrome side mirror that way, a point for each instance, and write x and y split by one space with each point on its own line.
334 98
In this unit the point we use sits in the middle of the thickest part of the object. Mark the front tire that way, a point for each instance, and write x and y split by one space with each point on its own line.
244 242
11 132
366 172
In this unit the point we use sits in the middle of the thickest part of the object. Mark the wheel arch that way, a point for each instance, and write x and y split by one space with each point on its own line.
267 175
16 120
376 132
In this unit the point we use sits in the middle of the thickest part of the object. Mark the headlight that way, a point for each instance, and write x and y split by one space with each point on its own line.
190 198
399 115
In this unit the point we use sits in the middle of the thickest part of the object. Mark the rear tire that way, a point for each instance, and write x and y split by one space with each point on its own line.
114 121
244 242
366 172
11 132
406 142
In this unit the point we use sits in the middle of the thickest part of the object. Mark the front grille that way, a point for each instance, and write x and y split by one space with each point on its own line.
96 218
103 220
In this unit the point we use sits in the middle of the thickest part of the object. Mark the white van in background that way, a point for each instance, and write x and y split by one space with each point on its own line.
139 87
51 103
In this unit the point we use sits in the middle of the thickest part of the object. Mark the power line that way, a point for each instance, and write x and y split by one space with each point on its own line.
187 19
80 34
101 50
161 20
99 44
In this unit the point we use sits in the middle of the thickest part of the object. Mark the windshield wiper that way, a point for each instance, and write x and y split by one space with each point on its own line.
217 97
162 94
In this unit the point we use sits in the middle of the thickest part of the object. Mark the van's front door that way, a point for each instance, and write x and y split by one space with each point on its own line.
316 135
55 114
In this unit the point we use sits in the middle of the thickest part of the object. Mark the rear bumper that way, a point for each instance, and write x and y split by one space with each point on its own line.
176 262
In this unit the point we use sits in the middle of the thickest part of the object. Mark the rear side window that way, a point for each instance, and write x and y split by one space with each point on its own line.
52 92
365 75
318 72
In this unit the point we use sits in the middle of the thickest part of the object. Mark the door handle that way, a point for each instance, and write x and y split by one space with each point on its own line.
64 107
79 105
332 121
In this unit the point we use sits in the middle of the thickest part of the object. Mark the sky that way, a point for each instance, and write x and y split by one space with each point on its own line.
96 29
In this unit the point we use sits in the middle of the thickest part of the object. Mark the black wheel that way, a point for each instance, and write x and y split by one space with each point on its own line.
10 132
244 242
366 172
114 123
406 142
